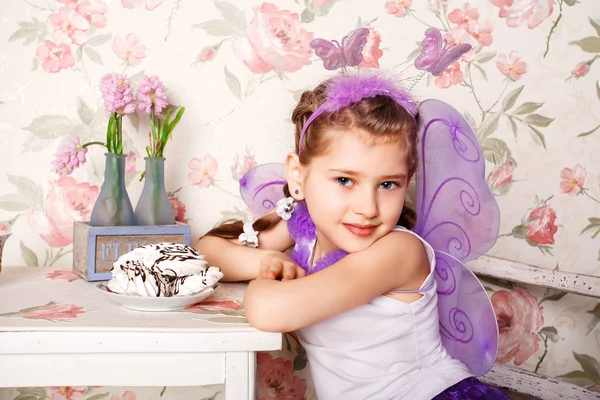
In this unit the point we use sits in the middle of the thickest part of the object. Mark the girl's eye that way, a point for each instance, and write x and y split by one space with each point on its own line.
344 181
389 185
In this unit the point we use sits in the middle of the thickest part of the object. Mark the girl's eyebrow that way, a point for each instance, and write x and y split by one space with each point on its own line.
354 173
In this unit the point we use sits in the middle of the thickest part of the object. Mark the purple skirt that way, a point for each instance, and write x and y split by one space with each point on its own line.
471 389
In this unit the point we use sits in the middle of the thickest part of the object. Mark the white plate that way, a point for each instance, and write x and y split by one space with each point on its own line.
140 303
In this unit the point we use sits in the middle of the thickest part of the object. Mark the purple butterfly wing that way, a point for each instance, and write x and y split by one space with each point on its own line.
449 56
468 325
431 49
262 187
329 52
353 45
458 215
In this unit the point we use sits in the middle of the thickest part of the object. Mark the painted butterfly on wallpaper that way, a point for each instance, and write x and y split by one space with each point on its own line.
347 54
436 54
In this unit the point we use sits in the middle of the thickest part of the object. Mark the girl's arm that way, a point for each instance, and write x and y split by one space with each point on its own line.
397 260
239 262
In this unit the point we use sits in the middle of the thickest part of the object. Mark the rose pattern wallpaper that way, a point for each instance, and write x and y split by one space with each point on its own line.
530 87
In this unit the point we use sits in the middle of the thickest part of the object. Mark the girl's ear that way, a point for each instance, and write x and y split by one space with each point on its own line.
295 176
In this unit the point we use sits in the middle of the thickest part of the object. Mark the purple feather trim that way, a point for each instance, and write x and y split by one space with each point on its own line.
300 225
344 91
329 259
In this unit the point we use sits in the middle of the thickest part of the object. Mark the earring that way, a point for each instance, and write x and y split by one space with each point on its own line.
285 207
296 191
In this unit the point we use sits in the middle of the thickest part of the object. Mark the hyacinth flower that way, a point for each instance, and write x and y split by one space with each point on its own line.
70 157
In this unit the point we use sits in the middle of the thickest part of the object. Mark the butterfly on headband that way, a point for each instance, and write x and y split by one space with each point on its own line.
436 54
347 54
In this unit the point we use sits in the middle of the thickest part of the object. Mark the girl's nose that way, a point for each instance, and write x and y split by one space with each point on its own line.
366 205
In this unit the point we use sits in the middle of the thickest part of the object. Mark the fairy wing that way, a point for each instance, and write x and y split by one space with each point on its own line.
459 217
262 187
353 45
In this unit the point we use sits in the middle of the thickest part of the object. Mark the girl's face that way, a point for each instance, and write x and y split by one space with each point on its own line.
355 192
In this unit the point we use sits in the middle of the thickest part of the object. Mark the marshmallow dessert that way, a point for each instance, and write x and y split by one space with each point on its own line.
162 270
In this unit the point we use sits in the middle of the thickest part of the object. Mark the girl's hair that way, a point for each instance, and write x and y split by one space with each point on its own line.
380 118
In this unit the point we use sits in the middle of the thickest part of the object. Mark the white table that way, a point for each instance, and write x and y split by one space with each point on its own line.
85 340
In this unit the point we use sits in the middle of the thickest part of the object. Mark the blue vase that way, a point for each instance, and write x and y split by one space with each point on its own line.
154 207
113 207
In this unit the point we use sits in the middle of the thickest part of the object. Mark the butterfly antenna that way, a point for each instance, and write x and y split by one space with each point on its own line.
344 72
415 81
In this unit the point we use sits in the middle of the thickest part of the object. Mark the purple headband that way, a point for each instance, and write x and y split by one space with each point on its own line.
344 91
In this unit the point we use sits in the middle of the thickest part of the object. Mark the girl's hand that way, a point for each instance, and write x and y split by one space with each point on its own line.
280 266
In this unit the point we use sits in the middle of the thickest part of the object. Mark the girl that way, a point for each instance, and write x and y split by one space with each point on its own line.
359 285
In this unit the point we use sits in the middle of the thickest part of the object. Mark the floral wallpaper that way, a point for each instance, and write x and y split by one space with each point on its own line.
530 87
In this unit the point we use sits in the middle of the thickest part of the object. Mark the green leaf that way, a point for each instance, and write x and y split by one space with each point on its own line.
589 365
484 57
306 16
492 126
557 295
234 83
594 24
84 111
30 191
29 256
13 202
98 39
511 98
588 132
232 14
98 396
481 70
570 3
551 333
520 231
219 28
578 378
589 44
513 126
494 149
595 311
537 136
597 90
594 224
93 55
300 362
50 126
538 120
527 108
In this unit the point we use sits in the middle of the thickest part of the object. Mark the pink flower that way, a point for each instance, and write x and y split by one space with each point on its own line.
178 209
459 36
581 70
398 8
55 57
452 76
371 52
519 318
53 311
4 228
66 202
116 92
151 94
69 3
66 274
511 66
541 225
275 40
213 307
150 4
276 379
481 32
69 26
207 54
203 171
573 180
130 161
319 3
238 170
93 11
465 16
129 49
516 12
67 392
502 176
127 395
70 157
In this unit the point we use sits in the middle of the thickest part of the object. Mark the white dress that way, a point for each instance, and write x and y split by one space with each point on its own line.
383 350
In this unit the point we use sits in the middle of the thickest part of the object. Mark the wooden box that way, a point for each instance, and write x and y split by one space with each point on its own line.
95 248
